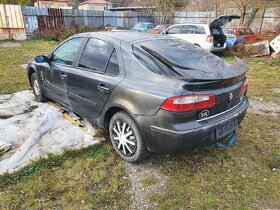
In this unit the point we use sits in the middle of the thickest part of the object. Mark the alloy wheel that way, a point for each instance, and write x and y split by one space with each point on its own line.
124 138
36 87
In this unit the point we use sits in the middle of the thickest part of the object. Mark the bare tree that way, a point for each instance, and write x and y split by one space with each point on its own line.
164 9
245 5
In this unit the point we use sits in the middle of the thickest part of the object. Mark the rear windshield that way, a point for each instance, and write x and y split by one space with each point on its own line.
179 53
216 31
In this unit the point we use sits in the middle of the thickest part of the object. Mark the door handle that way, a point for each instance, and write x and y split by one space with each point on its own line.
103 88
63 75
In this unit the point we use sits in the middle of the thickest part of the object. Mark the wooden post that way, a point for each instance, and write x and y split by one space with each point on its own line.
7 22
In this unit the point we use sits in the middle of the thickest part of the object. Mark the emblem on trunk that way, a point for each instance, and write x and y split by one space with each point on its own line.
203 114
230 97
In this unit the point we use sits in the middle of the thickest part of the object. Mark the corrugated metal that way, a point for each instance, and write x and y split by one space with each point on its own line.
89 18
11 22
52 21
194 17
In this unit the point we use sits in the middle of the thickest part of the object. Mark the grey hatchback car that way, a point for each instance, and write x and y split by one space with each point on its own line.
151 92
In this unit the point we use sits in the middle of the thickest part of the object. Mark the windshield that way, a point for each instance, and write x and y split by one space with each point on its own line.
229 31
160 27
140 25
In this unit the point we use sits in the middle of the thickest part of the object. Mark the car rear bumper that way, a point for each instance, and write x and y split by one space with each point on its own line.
195 135
210 47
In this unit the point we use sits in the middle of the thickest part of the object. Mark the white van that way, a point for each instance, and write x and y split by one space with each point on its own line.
209 37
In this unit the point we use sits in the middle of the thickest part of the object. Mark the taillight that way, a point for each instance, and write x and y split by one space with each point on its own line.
189 102
244 87
210 38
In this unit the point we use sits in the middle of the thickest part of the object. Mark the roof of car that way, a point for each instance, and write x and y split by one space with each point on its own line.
237 27
127 36
199 24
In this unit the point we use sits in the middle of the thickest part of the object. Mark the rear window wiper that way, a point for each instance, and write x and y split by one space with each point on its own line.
161 59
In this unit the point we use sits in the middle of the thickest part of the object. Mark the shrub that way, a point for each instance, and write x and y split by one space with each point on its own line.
60 34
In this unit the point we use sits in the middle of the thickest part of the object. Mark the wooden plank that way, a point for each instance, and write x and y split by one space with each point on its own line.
2 17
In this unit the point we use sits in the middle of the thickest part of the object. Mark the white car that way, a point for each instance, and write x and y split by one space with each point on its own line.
208 36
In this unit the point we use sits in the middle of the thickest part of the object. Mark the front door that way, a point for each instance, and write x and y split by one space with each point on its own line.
94 78
55 74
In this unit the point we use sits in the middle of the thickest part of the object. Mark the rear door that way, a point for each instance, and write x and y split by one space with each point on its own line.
55 75
187 33
96 75
174 31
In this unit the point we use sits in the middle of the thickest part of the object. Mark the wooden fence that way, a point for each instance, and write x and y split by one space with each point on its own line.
11 22
17 22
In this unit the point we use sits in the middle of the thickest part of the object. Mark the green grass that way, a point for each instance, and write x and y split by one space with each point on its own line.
245 176
241 177
12 76
89 178
264 76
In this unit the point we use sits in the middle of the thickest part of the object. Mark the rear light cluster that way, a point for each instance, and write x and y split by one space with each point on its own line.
210 38
189 102
244 87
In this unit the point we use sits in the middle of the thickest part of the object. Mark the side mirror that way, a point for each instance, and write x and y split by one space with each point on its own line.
164 32
42 59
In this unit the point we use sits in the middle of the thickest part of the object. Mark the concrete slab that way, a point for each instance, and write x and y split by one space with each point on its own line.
257 49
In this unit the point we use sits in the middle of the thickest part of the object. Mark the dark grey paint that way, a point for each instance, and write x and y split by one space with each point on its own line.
141 92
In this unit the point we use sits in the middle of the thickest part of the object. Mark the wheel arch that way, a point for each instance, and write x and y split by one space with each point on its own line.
110 112
31 70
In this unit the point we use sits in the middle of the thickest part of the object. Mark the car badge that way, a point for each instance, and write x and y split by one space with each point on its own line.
203 114
230 97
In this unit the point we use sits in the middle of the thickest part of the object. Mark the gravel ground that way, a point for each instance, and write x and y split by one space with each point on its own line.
258 106
145 179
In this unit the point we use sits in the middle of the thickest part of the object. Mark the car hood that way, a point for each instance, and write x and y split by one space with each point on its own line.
223 20
192 62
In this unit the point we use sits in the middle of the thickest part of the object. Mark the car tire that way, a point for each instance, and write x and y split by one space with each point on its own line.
37 89
126 138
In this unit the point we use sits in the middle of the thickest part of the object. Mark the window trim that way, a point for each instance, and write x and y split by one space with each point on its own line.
112 75
78 51
188 25
174 27
78 58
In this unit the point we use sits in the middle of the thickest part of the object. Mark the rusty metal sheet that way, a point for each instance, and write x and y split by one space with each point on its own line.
52 21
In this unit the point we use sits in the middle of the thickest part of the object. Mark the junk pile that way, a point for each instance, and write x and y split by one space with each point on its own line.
30 130
263 44
264 48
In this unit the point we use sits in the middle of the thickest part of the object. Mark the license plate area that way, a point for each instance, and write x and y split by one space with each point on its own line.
226 128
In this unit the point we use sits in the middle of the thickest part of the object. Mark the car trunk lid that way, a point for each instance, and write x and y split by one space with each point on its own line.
223 20
201 72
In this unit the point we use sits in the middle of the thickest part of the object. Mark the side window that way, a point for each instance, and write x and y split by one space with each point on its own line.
174 30
199 30
67 52
242 32
96 55
248 31
113 66
187 29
